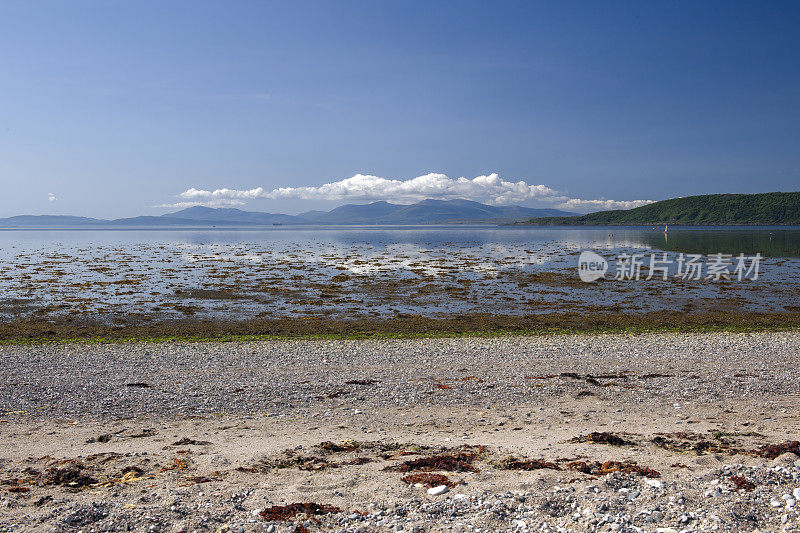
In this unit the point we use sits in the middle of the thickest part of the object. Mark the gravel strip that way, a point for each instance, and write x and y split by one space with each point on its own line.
151 379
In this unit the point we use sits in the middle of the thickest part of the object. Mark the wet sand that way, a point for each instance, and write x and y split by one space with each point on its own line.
594 320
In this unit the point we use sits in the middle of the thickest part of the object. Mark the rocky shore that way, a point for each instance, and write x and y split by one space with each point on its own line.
655 433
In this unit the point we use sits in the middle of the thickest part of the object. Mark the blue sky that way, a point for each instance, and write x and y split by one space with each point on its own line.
114 108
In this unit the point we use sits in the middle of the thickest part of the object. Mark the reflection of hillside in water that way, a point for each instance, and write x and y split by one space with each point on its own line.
373 272
769 243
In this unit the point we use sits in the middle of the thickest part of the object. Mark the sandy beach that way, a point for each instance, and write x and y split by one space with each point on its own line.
399 267
652 432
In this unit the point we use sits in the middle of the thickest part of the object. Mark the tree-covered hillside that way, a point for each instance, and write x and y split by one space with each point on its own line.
774 208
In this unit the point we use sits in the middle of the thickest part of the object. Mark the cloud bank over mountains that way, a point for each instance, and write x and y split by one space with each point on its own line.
489 189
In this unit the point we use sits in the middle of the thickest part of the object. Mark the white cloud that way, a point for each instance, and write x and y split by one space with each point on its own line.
577 204
221 202
220 194
489 189
51 197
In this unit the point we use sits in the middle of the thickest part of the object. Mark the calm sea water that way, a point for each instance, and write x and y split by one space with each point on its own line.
777 241
375 271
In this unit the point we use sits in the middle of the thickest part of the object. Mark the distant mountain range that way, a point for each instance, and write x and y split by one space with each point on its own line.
424 212
764 209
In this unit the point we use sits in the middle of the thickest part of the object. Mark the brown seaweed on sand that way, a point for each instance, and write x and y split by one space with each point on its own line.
428 479
456 462
332 447
287 512
684 442
515 463
186 441
310 463
740 483
771 451
70 475
596 468
603 437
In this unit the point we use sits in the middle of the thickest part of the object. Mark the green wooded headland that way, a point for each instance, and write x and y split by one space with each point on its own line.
765 209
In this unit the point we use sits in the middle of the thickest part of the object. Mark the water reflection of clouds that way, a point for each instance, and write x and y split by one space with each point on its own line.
492 270
368 258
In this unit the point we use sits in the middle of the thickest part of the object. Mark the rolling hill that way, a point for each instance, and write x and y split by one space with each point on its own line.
766 209
425 212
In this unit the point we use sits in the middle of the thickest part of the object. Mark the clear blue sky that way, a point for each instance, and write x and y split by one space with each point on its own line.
115 107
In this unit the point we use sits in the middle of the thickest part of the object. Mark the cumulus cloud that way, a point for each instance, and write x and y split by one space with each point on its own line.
223 194
490 189
51 197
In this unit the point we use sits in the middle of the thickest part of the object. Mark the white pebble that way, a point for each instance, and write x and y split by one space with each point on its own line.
436 491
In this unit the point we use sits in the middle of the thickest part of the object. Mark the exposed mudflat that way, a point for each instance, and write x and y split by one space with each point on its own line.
684 432
595 320
329 273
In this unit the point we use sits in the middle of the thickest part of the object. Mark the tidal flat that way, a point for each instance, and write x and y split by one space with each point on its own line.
345 280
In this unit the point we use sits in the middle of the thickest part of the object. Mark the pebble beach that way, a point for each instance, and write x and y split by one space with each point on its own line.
654 432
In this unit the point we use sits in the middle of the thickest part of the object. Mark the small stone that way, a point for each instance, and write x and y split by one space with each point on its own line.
666 530
776 503
436 491
655 483
219 460
785 459
796 493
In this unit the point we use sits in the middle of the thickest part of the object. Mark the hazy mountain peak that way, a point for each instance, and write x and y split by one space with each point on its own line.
380 212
